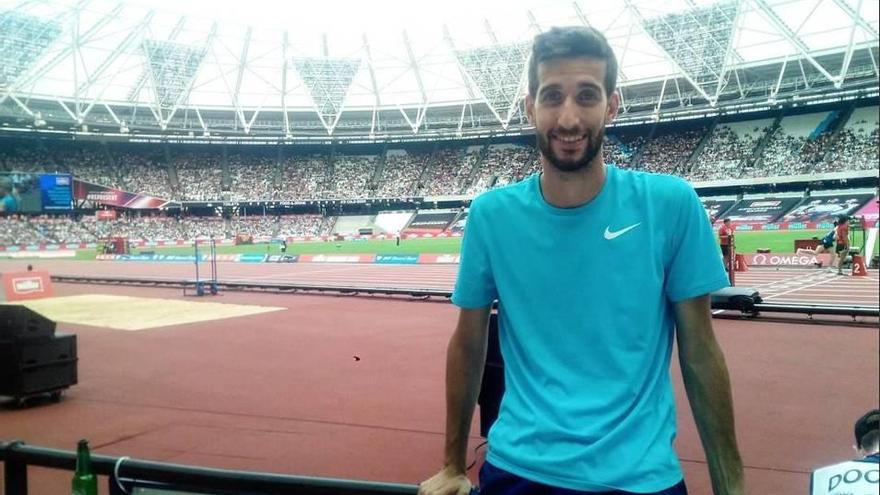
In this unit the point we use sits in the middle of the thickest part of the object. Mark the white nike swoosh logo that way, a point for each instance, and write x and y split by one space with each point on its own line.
614 235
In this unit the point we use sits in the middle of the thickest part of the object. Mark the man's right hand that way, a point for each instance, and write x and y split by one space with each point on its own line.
446 482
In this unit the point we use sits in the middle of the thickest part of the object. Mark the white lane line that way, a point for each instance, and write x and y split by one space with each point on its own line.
808 277
794 290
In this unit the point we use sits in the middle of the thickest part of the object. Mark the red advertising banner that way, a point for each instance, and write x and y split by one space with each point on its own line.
337 258
86 191
20 286
430 259
105 214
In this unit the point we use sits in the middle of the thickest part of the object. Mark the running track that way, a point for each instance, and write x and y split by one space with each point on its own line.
790 285
280 392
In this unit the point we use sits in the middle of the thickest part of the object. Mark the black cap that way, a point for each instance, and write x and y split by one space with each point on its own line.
866 424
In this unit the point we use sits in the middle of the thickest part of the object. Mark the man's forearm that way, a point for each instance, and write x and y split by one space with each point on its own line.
464 371
708 388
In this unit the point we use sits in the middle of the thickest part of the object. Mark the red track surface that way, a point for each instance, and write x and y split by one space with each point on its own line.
281 391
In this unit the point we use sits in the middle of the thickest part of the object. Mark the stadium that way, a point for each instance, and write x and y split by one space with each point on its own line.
229 232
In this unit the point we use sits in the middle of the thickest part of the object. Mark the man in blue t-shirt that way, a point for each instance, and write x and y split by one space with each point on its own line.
8 203
596 271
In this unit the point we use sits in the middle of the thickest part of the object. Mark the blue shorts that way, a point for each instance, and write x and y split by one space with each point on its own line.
496 481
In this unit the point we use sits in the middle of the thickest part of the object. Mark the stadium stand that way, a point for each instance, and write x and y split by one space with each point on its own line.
255 226
252 175
446 172
302 177
351 177
819 142
502 165
728 150
858 143
401 173
788 151
304 225
199 175
619 152
667 152
19 230
142 171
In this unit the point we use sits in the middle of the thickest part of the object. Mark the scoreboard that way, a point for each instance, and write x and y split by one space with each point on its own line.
37 192
56 192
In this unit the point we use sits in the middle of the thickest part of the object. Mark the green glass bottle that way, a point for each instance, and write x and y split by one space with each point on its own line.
84 480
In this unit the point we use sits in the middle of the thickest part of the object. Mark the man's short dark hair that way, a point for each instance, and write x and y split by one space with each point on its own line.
726 220
570 42
867 428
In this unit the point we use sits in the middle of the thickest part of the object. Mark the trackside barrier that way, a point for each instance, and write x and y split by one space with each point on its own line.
124 474
391 259
22 286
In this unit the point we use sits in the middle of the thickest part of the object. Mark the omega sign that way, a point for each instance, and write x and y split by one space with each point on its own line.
782 260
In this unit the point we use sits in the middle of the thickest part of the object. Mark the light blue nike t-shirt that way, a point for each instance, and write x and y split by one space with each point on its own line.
586 324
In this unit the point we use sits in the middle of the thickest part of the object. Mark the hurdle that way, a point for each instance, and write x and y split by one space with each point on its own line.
212 286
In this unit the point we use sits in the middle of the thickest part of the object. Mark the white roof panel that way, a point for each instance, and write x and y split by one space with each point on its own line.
821 26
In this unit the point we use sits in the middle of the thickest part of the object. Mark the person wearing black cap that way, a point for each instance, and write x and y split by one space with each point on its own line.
857 477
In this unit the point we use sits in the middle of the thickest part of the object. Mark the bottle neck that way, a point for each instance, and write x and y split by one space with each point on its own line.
83 459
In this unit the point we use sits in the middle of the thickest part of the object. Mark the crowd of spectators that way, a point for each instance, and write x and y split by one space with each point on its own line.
199 175
503 165
401 174
141 172
19 230
668 153
255 174
21 158
61 229
24 230
447 171
853 150
781 156
351 176
136 228
257 225
252 176
90 163
302 177
304 225
619 152
725 154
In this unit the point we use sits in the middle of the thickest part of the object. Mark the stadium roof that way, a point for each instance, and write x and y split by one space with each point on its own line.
291 67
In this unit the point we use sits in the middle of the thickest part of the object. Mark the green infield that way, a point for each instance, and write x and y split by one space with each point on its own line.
746 242
447 245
